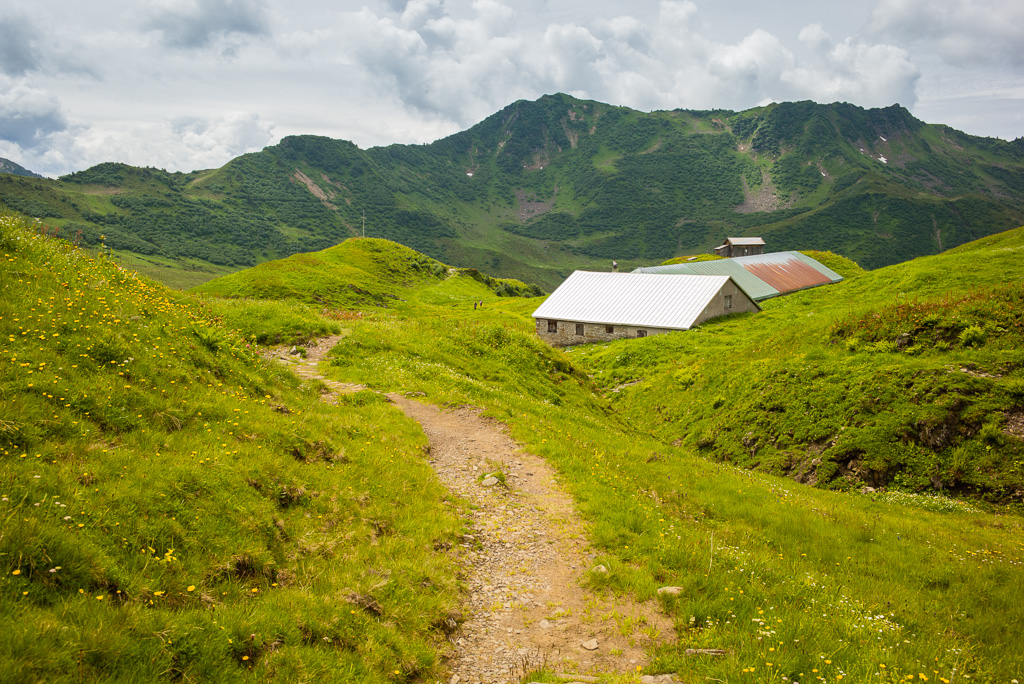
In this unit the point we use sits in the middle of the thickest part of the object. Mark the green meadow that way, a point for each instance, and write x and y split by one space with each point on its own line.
213 521
176 509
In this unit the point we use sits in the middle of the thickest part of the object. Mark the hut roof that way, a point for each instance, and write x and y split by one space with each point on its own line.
640 299
761 276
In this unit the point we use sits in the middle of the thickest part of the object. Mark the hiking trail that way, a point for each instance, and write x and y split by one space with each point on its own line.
525 559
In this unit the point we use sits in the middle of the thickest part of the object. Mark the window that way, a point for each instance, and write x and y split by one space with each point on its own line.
552 326
579 329
609 329
641 333
728 301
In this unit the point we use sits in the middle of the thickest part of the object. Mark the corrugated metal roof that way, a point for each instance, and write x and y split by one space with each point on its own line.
754 287
788 271
657 301
761 276
745 241
832 276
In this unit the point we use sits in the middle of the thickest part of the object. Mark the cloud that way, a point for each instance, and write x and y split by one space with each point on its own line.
183 144
963 32
465 67
28 114
17 46
200 23
225 136
870 74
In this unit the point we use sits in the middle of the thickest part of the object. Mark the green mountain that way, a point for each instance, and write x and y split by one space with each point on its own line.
543 187
15 169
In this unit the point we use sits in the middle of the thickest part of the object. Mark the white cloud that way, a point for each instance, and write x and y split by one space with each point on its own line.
175 145
869 74
465 67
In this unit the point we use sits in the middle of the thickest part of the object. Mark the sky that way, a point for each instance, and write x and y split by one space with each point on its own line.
184 85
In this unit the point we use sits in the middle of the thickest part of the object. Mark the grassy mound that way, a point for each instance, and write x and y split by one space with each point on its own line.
358 273
176 509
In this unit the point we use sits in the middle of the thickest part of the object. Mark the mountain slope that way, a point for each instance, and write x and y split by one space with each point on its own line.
543 187
15 169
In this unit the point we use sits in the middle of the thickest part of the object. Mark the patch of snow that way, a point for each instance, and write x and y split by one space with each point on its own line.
469 173
882 138
883 159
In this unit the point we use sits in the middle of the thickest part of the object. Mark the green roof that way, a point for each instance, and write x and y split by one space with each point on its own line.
754 287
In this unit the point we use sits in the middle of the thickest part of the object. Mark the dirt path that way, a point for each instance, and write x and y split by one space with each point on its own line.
525 559
307 367
525 562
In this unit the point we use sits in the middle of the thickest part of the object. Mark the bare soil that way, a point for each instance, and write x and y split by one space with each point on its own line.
526 560
766 198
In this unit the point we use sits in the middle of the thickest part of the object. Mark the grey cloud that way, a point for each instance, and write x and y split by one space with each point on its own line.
962 32
200 23
28 115
17 46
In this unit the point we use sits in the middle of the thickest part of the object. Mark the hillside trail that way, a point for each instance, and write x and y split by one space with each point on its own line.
525 559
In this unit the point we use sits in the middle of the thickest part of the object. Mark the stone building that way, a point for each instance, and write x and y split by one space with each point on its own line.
598 307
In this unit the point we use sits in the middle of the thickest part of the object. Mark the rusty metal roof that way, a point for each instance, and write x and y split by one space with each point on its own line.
788 271
761 276
656 301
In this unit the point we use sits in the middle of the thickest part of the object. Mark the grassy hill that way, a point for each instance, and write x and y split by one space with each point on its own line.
176 509
541 188
175 495
908 375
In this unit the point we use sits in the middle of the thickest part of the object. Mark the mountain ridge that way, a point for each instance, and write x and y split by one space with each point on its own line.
543 187
16 169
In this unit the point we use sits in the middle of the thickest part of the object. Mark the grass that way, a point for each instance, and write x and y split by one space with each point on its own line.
905 376
795 583
177 509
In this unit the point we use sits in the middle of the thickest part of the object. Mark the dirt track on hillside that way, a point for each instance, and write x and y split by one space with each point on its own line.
526 559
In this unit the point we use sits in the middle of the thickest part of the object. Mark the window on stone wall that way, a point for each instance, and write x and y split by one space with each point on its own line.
641 333
552 326
728 301
579 329
609 329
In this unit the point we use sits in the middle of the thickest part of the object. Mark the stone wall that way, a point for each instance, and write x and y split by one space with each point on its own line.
592 332
741 303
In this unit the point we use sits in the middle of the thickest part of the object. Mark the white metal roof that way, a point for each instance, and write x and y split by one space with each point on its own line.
646 299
